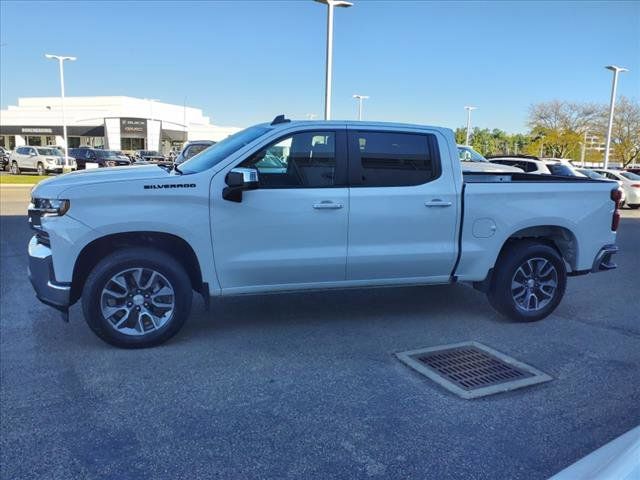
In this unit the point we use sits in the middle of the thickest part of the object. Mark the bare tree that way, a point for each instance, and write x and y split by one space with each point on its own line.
625 135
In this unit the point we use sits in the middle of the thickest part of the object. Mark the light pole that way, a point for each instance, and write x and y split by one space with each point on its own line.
61 60
469 109
616 70
360 98
331 4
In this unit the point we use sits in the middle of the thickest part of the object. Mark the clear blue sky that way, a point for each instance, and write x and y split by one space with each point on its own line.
243 62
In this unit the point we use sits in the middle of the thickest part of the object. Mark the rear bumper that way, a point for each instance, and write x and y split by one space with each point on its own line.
40 269
603 261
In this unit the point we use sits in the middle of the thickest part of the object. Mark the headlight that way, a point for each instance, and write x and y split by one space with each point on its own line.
49 207
50 160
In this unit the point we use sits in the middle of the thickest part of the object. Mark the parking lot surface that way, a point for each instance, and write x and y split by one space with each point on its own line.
306 385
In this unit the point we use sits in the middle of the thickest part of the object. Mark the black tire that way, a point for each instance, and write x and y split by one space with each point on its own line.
136 257
633 207
40 169
14 168
517 254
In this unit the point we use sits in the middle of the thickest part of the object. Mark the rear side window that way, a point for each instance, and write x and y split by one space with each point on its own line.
390 159
559 169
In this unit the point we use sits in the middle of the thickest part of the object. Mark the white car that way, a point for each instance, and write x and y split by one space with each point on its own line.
630 183
42 160
309 205
528 164
473 161
593 175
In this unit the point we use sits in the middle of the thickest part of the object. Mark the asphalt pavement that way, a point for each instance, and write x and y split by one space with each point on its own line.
298 386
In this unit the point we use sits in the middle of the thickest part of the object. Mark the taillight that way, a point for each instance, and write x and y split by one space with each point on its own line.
635 185
616 196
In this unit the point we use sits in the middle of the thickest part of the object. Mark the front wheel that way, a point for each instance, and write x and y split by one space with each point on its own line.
137 297
529 281
40 170
14 168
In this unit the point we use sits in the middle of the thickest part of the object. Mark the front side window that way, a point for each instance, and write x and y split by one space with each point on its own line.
303 160
389 159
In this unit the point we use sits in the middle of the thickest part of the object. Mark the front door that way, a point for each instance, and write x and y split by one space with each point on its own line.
403 208
292 231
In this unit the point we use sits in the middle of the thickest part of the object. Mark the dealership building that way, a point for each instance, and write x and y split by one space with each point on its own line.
114 123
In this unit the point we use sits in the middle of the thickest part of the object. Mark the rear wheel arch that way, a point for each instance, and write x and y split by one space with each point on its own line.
99 248
560 238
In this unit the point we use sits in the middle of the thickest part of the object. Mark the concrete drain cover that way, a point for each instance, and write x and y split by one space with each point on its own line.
472 370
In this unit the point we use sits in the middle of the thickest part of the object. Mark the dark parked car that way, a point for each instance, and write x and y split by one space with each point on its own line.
635 170
148 156
103 158
4 159
192 148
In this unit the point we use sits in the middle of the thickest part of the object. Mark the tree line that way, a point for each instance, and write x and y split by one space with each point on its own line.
562 129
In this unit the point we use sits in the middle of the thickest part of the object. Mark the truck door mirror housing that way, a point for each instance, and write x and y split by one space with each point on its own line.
238 180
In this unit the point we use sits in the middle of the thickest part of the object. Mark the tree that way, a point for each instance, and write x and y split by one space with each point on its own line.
557 127
625 134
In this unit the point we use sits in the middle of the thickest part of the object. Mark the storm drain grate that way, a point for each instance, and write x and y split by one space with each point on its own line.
472 370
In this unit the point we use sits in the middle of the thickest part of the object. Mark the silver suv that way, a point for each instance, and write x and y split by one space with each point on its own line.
42 160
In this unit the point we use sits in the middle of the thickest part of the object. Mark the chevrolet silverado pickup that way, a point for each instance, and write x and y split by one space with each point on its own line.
289 205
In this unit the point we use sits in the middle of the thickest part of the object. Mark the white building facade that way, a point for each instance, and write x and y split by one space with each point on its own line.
114 123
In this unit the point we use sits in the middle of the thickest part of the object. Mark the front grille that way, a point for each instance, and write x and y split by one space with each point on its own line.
471 369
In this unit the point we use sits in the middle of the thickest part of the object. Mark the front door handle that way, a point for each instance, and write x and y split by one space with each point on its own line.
436 202
327 205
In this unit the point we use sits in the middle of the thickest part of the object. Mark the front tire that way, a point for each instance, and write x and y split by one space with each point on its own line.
40 170
528 282
137 298
14 168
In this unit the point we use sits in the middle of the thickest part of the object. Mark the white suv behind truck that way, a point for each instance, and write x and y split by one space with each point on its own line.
309 205
42 160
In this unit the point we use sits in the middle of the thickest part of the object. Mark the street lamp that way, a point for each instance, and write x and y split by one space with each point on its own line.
61 60
469 109
360 99
331 4
616 70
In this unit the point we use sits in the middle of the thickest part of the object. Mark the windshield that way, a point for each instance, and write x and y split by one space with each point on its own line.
591 174
106 154
468 154
630 176
49 151
221 150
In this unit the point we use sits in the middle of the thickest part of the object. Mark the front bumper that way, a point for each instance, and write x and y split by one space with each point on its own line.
42 278
603 261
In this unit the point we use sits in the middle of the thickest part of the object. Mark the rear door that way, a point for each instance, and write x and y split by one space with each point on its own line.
403 207
292 231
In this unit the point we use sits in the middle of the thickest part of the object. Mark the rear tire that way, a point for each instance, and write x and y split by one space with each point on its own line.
14 168
121 308
529 281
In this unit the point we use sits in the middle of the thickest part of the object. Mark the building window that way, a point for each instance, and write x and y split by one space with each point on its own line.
132 144
35 141
74 142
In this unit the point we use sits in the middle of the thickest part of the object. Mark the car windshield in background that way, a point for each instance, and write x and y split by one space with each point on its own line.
468 154
221 150
149 153
560 169
106 154
630 176
49 151
590 173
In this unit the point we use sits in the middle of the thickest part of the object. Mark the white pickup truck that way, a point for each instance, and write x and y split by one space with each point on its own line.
309 205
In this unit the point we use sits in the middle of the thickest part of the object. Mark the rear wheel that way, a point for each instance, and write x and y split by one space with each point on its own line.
137 297
529 281
14 168
40 169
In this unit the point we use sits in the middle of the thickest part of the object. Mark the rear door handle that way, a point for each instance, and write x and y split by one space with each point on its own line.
327 205
436 202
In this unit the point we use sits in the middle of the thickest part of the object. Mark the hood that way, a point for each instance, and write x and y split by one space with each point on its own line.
52 187
488 167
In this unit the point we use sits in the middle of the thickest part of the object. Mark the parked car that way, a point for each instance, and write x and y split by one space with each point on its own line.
148 156
526 163
593 175
191 149
102 158
4 159
630 184
43 160
562 169
356 204
472 161
633 170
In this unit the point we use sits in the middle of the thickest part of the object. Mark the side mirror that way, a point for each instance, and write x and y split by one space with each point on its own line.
239 180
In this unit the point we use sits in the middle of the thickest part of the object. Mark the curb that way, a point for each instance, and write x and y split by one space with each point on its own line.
17 185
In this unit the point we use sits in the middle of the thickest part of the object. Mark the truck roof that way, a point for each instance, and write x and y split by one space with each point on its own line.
285 123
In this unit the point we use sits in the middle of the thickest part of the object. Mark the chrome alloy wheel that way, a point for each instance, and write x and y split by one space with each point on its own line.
137 301
534 284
